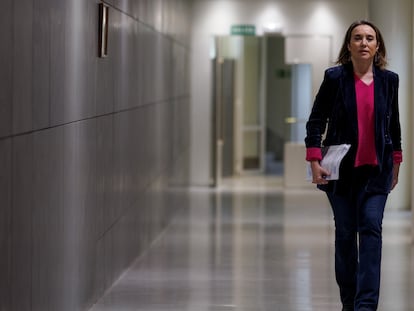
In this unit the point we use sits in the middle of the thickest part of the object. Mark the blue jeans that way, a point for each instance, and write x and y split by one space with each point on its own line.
358 244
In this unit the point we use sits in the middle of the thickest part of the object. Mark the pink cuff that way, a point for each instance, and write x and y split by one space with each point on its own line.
397 155
313 154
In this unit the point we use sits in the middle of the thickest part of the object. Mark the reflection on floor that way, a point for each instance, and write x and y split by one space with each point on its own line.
253 246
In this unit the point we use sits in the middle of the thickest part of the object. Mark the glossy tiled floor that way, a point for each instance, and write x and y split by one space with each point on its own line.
252 246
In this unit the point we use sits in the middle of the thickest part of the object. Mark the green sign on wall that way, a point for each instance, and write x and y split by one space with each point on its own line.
243 30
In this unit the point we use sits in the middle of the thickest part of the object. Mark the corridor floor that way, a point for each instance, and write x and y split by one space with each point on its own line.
253 246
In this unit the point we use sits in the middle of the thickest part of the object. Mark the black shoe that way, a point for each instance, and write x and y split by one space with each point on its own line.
348 308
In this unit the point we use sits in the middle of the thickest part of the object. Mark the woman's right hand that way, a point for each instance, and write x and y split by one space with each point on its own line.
319 174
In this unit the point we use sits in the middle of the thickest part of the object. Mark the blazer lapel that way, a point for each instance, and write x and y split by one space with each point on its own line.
348 86
379 97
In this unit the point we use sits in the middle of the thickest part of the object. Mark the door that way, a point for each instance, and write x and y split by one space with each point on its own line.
222 120
238 113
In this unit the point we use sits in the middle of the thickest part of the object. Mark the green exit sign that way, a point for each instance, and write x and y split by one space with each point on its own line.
243 30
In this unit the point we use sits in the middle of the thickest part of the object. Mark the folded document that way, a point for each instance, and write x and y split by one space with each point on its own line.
331 161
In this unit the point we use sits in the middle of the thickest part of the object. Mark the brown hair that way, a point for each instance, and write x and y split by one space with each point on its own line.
379 59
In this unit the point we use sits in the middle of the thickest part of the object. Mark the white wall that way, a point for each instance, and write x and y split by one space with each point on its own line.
214 17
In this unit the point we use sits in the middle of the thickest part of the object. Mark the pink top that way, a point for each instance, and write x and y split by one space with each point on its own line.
366 153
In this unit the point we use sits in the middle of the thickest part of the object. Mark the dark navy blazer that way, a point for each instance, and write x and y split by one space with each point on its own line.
335 107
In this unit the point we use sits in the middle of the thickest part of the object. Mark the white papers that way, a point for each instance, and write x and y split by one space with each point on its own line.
331 161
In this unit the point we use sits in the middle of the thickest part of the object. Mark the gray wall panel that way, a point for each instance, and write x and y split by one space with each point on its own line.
116 37
149 142
141 9
21 231
105 86
105 173
143 138
104 77
22 65
91 53
41 64
135 8
47 220
6 62
115 250
105 200
157 67
110 272
164 70
79 73
159 137
144 143
157 81
148 42
121 174
79 205
166 136
128 150
153 15
122 5
98 270
180 71
134 156
5 223
57 61
141 60
126 59
96 143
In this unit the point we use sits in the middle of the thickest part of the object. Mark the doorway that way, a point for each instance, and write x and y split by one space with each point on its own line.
261 98
238 131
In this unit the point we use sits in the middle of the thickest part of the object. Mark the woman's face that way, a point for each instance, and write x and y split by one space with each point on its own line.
363 43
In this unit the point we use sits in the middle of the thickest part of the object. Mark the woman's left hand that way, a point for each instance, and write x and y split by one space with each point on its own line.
395 173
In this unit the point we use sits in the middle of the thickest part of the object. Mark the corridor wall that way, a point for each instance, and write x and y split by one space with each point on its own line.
93 151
